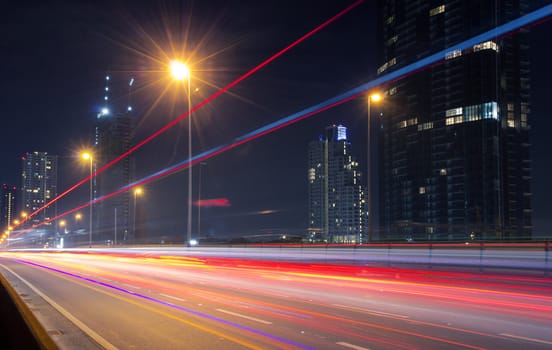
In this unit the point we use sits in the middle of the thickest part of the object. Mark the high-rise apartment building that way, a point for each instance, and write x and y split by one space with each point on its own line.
38 186
8 211
454 152
337 212
113 137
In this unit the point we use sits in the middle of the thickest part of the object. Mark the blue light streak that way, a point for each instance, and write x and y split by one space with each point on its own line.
499 31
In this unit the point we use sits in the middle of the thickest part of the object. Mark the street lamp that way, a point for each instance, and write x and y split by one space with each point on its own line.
137 192
88 156
181 71
199 201
62 224
8 231
373 97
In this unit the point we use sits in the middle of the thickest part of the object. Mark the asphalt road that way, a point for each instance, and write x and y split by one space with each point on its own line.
155 301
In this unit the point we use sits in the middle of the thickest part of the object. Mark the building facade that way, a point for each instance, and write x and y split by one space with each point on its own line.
454 138
337 211
38 187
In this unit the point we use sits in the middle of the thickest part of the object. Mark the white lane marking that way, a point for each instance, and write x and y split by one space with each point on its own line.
98 338
172 297
351 346
244 316
370 311
527 339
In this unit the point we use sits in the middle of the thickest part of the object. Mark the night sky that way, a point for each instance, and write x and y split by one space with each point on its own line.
55 57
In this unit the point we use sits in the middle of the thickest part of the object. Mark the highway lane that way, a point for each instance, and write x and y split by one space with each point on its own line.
175 302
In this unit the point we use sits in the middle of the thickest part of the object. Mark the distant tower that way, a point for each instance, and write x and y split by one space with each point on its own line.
337 210
38 186
7 206
113 137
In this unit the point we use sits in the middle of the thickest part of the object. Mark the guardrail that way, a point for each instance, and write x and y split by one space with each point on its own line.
19 328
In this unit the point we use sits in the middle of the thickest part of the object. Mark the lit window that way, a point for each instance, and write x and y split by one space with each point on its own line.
443 172
425 126
511 124
487 45
454 111
524 107
312 175
437 10
392 40
405 123
510 107
422 190
490 110
452 54
386 65
341 133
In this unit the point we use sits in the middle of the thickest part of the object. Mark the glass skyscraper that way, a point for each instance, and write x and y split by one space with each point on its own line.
453 139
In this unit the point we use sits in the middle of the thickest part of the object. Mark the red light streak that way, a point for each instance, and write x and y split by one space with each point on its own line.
195 108
215 202
147 266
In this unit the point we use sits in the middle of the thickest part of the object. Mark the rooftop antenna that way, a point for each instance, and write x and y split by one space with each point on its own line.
105 109
130 84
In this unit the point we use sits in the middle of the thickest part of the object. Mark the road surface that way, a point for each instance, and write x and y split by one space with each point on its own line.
156 301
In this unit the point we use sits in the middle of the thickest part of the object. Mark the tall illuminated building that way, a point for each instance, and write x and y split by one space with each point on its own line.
113 137
337 211
7 206
454 138
38 186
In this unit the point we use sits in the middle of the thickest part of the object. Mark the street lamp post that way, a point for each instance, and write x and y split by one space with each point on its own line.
88 156
374 97
199 201
180 71
137 192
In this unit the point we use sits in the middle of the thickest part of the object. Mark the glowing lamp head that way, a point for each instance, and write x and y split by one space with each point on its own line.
105 111
375 97
86 155
179 70
138 191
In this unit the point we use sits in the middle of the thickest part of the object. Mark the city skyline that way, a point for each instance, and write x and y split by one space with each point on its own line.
287 86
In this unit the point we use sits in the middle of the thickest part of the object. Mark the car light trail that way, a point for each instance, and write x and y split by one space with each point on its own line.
200 105
352 94
155 274
174 306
